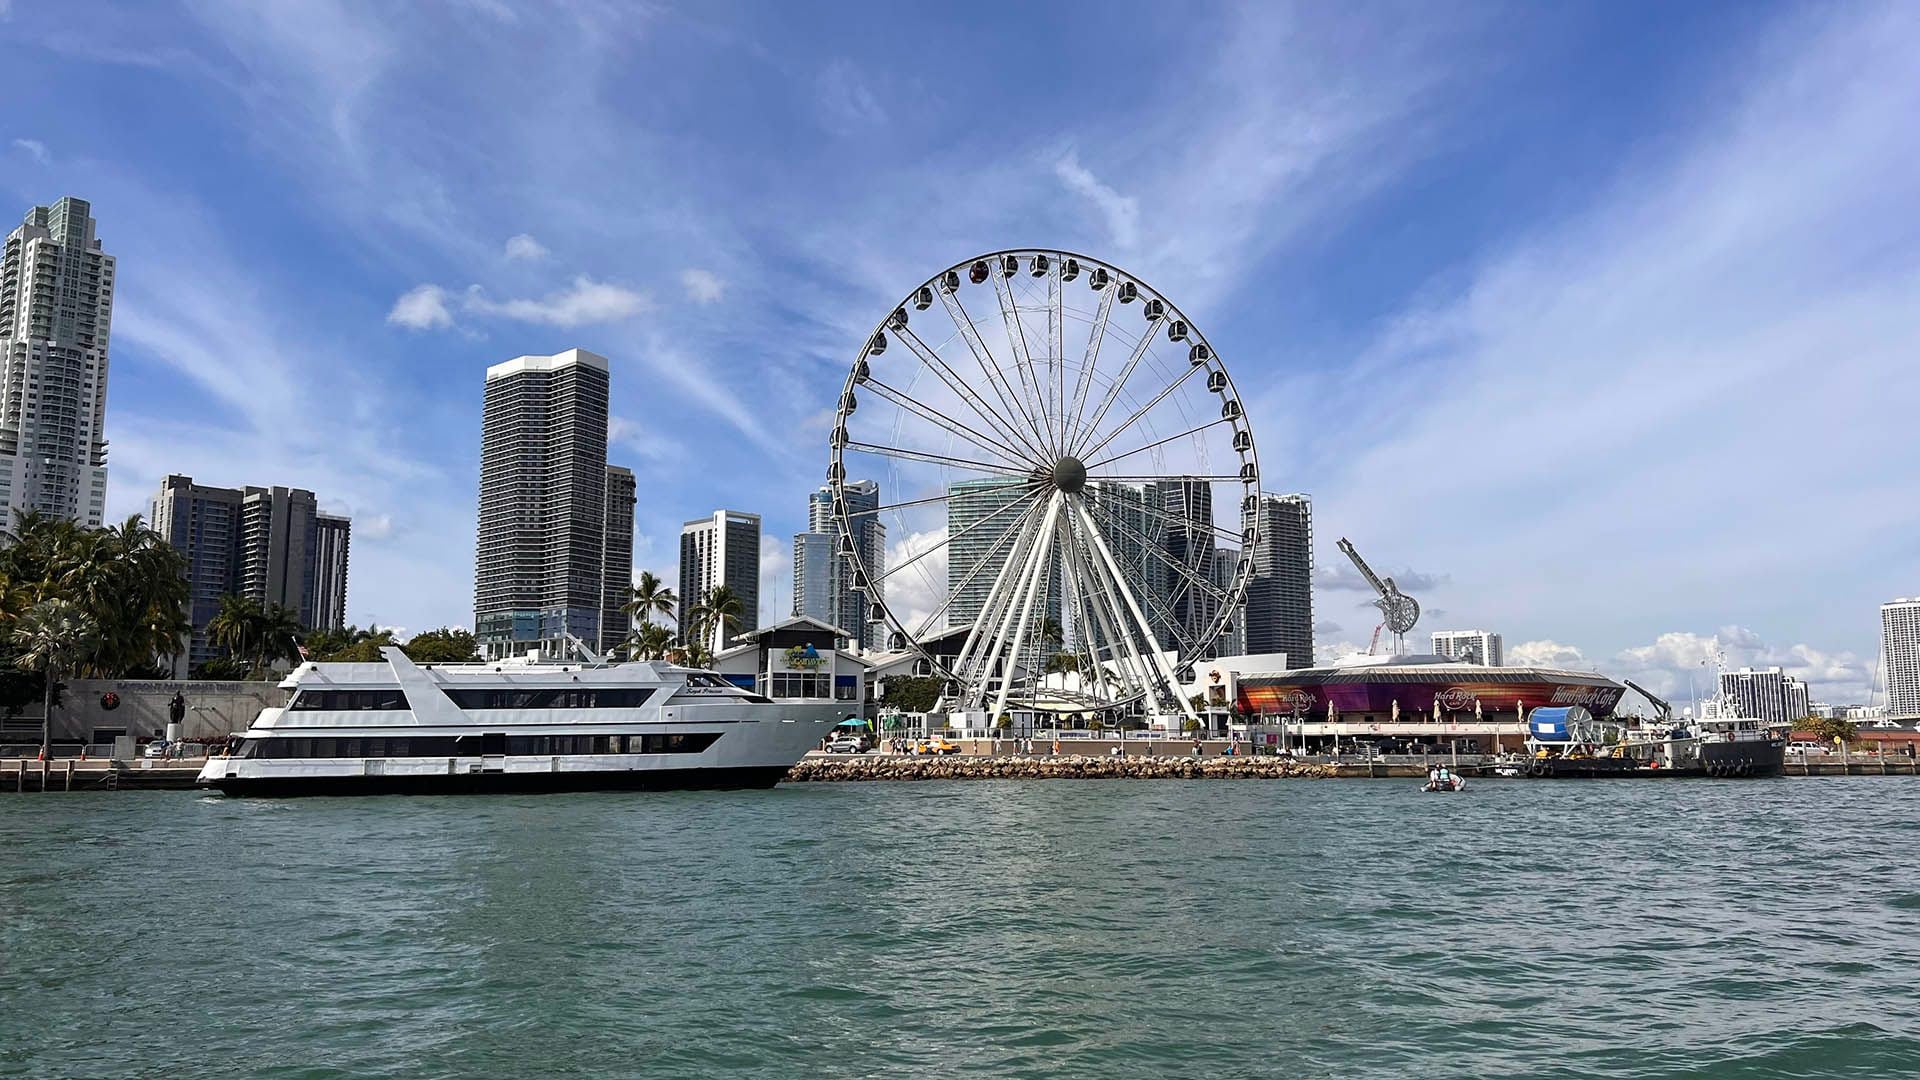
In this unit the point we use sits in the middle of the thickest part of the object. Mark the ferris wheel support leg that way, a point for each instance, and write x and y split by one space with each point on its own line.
971 691
1133 606
1037 562
1126 657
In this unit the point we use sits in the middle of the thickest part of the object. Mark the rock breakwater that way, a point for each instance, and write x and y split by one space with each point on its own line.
1067 767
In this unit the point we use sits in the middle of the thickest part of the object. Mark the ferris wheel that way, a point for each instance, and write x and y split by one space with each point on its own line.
1073 485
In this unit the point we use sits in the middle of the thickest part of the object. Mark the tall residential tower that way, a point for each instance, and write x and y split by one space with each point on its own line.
721 550
56 308
1280 585
823 582
541 571
1900 656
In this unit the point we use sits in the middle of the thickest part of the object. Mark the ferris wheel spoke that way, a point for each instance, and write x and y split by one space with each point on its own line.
1197 429
1108 615
984 442
1138 478
1154 549
1023 357
1001 426
1056 351
1028 500
990 368
1163 515
900 505
954 591
937 459
1039 560
1106 560
1095 337
1142 411
1113 391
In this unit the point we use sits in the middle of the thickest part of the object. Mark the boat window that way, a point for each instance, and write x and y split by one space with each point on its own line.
347 701
479 745
612 697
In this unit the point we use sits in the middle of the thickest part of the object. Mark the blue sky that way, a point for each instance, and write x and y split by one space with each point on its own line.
1599 321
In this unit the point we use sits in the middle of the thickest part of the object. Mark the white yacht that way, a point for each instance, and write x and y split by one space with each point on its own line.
515 726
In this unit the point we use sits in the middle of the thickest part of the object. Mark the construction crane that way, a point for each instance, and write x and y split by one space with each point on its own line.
1660 703
1398 611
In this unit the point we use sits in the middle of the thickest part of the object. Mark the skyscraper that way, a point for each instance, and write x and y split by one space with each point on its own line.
616 582
1765 693
1185 512
723 549
978 519
332 536
827 591
541 557
56 308
268 544
1280 586
1473 646
1900 656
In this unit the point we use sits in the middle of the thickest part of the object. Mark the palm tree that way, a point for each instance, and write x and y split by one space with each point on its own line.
651 595
276 638
650 642
52 636
720 611
236 626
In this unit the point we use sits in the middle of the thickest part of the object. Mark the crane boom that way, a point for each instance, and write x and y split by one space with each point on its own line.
1666 710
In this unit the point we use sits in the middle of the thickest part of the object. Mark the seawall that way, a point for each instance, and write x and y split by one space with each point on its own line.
1065 767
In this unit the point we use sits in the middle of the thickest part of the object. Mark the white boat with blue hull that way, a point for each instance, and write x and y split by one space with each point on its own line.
515 726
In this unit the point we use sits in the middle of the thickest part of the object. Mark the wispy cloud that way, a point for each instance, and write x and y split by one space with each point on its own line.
847 105
33 148
525 248
423 307
585 301
1122 212
703 286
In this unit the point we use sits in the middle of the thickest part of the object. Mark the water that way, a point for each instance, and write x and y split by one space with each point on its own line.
1105 929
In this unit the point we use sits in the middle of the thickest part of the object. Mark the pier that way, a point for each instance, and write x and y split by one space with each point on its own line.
21 775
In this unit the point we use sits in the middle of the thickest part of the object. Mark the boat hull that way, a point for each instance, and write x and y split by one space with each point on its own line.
1758 757
503 783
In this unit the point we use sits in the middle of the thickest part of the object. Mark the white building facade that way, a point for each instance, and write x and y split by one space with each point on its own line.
1473 646
56 312
723 549
1900 656
1764 694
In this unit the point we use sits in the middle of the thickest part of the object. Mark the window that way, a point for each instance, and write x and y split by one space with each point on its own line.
793 684
348 701
491 743
560 698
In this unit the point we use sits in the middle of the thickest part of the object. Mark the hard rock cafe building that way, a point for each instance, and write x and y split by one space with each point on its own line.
1409 703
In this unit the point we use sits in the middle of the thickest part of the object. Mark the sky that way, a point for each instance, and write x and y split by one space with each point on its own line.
1594 323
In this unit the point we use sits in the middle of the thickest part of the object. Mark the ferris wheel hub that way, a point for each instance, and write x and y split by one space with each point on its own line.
1069 475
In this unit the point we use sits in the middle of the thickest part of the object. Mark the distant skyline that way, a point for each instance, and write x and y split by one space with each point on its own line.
1590 322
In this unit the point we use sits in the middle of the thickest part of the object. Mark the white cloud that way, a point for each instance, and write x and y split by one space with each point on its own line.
1680 662
373 527
423 307
703 286
525 247
650 444
33 148
586 301
846 105
1547 653
917 590
1122 212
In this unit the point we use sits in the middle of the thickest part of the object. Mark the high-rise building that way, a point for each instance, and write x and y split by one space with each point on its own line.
1280 586
722 550
842 603
978 520
616 580
540 575
56 309
1900 656
1187 537
268 544
1764 694
1473 646
332 535
1133 536
1233 637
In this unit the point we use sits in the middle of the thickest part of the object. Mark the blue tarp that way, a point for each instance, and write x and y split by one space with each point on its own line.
1550 724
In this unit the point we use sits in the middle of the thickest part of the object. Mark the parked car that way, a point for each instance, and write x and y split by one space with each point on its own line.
847 744
935 745
156 749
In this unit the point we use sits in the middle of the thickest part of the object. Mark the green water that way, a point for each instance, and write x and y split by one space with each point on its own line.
1100 929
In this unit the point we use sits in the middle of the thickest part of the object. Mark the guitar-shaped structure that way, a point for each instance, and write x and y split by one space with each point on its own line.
1398 611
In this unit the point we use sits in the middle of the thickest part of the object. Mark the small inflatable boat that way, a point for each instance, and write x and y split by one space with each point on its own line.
1444 780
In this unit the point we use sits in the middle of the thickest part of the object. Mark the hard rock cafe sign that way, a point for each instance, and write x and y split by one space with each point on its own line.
1299 702
1456 699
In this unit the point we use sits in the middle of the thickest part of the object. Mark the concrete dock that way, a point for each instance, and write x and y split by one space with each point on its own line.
20 775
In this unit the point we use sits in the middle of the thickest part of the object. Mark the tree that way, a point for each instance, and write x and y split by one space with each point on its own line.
365 650
651 595
53 636
125 578
1831 728
650 642
236 625
913 693
448 645
718 614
